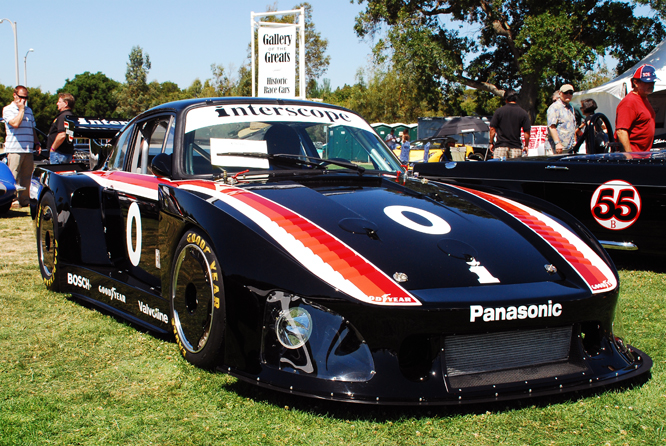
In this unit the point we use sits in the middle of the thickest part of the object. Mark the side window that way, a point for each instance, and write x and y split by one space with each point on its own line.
150 141
168 146
119 152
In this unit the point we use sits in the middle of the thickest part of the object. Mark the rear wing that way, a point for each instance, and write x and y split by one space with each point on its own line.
92 137
93 128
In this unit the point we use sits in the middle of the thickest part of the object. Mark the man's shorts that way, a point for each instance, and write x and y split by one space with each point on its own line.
507 152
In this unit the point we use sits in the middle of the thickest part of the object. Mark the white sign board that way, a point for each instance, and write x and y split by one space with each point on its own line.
277 62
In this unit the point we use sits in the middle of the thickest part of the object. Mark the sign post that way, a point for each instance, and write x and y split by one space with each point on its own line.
276 56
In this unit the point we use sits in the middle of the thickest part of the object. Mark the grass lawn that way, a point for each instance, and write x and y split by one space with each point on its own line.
70 375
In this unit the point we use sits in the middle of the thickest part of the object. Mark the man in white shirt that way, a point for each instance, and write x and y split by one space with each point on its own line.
21 140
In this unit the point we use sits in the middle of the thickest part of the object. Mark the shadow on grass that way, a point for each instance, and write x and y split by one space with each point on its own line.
383 413
16 213
167 336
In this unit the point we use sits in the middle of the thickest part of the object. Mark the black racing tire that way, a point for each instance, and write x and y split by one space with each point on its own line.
47 242
5 208
198 312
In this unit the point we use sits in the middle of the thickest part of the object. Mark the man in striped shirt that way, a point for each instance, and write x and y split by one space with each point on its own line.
21 140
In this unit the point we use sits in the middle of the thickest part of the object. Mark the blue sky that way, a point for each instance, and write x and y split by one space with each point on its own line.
183 38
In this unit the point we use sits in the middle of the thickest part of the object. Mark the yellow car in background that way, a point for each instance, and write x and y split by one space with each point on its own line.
441 149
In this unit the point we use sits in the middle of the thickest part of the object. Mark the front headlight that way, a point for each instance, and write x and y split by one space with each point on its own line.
293 327
300 336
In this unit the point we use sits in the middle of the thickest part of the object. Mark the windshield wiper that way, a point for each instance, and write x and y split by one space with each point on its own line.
304 160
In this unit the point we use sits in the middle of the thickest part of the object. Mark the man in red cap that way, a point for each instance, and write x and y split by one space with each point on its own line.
634 120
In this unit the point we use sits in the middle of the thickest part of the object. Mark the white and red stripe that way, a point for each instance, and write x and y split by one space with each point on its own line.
144 186
320 252
587 263
317 250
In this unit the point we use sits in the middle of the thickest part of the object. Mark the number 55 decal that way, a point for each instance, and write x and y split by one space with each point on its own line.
616 205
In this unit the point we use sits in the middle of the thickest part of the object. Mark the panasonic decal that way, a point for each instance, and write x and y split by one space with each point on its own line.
492 314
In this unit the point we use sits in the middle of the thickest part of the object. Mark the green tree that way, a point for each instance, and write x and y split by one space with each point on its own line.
593 78
528 45
134 96
164 92
383 97
95 94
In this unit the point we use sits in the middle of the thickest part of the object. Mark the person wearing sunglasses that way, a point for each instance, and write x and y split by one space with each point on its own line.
562 128
634 116
20 141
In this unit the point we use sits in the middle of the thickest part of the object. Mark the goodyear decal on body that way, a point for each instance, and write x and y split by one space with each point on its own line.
317 250
591 268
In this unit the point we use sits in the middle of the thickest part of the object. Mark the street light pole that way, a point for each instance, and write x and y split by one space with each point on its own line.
25 68
15 47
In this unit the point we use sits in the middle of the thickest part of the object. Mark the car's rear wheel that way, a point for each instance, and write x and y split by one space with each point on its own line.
47 242
198 312
5 208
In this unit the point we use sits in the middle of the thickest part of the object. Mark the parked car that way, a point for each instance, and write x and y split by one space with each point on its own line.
279 241
7 186
441 150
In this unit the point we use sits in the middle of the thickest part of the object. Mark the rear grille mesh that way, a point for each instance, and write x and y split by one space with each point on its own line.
491 352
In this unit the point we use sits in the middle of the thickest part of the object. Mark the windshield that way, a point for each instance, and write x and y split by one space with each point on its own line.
239 137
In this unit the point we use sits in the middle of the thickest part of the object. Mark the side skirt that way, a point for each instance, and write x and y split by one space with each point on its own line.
132 303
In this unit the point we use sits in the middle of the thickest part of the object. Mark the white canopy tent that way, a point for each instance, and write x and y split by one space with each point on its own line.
608 95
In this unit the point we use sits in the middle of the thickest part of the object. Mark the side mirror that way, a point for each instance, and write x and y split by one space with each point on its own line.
161 165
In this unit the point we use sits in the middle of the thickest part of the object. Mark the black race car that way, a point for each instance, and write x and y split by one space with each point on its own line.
281 242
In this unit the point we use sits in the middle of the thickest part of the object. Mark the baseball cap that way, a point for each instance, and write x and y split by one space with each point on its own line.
567 87
646 73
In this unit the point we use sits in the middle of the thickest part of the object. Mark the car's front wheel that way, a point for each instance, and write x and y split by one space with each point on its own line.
47 242
197 301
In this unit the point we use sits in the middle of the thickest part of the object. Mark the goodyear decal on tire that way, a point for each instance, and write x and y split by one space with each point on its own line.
317 250
48 282
591 268
196 239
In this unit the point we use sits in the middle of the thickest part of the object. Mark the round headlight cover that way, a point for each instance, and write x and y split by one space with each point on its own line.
293 327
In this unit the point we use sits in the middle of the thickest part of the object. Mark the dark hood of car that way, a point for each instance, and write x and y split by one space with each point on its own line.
425 236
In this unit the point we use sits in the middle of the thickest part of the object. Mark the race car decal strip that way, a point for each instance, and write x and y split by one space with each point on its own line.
317 250
594 271
144 186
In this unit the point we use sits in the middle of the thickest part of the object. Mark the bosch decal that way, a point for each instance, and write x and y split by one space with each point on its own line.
616 205
78 281
491 314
